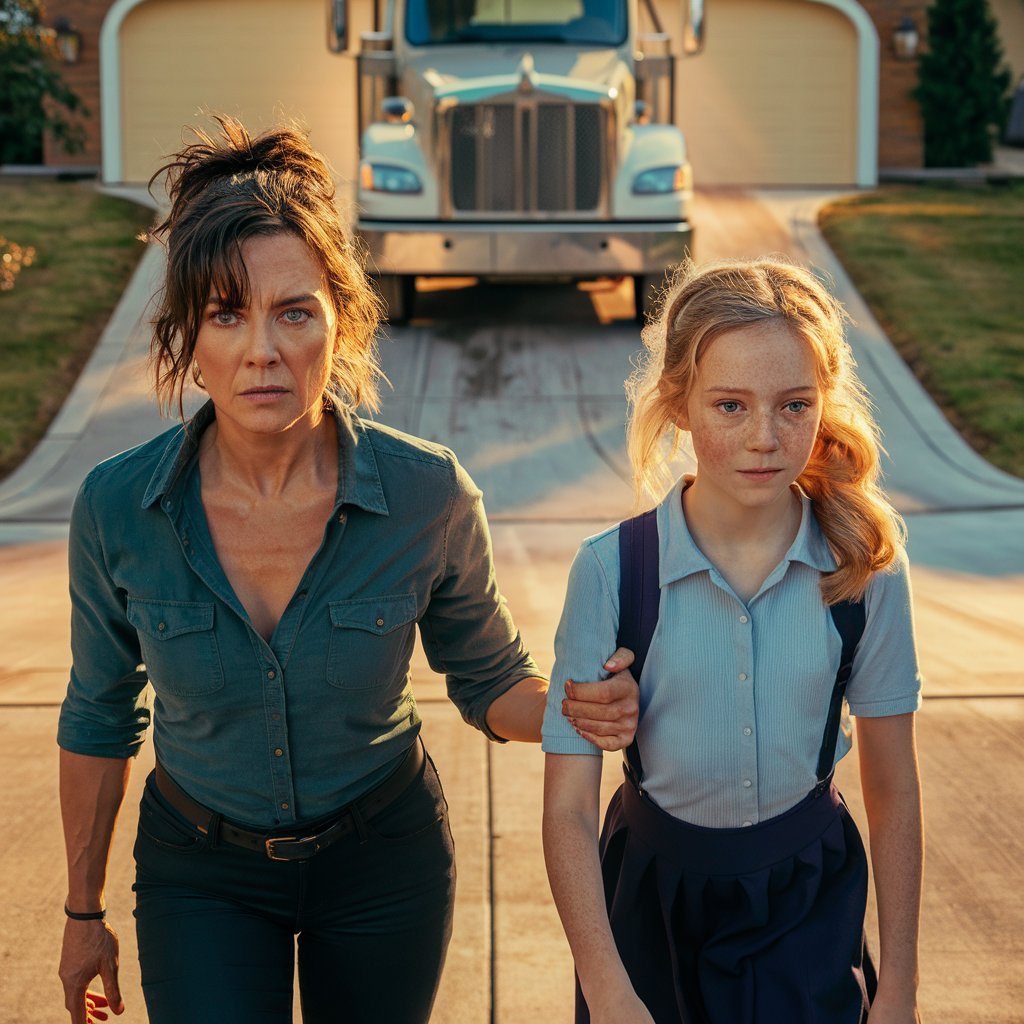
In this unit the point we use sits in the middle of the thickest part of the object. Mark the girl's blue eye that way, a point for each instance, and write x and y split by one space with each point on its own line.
729 406
798 405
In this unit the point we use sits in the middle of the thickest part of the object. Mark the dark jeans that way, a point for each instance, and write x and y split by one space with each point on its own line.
373 914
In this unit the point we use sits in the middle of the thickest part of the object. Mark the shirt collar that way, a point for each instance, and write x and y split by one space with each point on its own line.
679 555
358 475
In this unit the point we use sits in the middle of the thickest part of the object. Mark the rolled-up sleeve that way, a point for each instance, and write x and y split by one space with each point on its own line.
106 711
467 631
585 639
886 679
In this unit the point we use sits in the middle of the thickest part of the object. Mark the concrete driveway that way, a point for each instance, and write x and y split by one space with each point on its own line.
525 384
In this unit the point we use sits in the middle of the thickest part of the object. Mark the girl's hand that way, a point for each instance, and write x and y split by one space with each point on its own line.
623 1008
886 1009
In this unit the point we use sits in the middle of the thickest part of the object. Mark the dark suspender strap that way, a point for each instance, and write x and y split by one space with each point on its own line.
639 597
849 618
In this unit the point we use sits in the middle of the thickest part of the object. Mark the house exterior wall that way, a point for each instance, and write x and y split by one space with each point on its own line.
901 136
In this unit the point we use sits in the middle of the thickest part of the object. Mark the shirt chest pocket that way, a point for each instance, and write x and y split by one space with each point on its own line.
179 645
371 641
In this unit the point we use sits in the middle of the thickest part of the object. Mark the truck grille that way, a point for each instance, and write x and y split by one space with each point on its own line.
523 158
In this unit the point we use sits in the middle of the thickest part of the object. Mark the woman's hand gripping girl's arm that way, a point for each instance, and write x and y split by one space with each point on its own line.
572 784
892 798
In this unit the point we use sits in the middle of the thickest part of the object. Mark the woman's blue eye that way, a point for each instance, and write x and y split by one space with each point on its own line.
295 316
796 406
224 317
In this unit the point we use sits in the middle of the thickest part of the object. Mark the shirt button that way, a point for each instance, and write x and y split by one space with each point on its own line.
747 731
747 783
743 677
280 753
747 824
162 626
284 807
271 674
380 622
743 618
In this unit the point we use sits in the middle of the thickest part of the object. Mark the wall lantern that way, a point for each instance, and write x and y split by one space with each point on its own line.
67 40
905 39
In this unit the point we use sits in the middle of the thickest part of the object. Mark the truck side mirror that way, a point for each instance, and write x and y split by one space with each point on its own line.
337 26
693 32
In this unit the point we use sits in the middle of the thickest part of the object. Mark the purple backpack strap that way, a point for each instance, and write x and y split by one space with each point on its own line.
639 597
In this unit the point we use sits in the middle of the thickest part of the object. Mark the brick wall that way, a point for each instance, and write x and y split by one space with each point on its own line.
900 132
86 16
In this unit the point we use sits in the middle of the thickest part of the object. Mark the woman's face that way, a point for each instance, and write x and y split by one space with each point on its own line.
266 367
753 413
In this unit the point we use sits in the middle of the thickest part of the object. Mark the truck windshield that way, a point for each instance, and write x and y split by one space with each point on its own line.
597 22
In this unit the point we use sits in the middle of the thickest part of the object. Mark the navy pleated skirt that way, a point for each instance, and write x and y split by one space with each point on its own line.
755 925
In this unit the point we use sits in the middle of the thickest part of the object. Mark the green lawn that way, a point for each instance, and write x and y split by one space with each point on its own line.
942 268
51 318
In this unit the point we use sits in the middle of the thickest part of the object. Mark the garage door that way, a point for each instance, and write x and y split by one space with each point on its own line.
772 100
259 60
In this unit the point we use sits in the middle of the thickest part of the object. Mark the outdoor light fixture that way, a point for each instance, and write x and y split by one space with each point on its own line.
68 40
905 39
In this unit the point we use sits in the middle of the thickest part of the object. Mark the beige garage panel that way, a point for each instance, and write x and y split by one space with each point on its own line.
772 100
259 60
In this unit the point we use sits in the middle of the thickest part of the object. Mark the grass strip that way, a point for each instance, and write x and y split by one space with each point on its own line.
942 268
85 248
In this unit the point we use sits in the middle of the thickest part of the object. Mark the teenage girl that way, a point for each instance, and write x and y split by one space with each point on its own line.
729 884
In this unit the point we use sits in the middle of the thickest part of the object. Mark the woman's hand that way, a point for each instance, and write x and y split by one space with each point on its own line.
606 713
90 949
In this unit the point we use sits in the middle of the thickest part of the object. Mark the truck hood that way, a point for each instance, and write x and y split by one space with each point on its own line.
583 76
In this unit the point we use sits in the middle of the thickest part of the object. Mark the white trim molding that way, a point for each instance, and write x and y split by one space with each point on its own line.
867 89
111 129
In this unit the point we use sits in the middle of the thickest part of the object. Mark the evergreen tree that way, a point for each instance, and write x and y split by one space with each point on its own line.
33 96
963 90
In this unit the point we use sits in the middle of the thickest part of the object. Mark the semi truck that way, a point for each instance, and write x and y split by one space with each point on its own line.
519 139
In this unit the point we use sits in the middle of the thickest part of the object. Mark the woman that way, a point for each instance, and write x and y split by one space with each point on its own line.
265 565
730 882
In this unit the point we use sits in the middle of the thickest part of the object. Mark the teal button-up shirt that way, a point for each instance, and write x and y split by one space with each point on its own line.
285 731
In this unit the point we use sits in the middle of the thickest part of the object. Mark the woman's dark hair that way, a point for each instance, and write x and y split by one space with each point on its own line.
225 191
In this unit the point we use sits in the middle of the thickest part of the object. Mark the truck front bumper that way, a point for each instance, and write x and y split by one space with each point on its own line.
516 249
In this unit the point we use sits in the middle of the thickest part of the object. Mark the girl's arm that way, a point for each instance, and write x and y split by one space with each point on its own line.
572 785
892 798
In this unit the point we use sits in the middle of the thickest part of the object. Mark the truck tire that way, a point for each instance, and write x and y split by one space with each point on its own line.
646 289
399 294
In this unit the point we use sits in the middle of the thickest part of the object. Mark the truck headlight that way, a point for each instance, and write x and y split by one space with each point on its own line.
388 178
660 181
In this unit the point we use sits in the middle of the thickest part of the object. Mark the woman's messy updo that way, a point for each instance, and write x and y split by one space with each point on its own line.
225 191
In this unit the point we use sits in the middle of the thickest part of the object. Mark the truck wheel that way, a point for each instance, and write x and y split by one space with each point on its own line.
646 289
399 294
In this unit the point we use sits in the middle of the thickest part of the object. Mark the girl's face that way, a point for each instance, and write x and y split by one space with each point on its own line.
266 367
753 414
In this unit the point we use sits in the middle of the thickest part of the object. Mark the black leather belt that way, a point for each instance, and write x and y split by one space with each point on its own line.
300 847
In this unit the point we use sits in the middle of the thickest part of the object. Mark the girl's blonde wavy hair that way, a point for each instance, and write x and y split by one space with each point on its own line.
225 190
842 477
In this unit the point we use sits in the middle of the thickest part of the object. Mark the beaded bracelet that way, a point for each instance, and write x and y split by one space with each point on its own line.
94 915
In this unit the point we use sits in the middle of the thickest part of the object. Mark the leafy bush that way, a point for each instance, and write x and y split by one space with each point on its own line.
33 97
963 89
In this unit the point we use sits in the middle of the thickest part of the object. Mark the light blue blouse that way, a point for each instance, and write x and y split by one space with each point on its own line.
734 695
